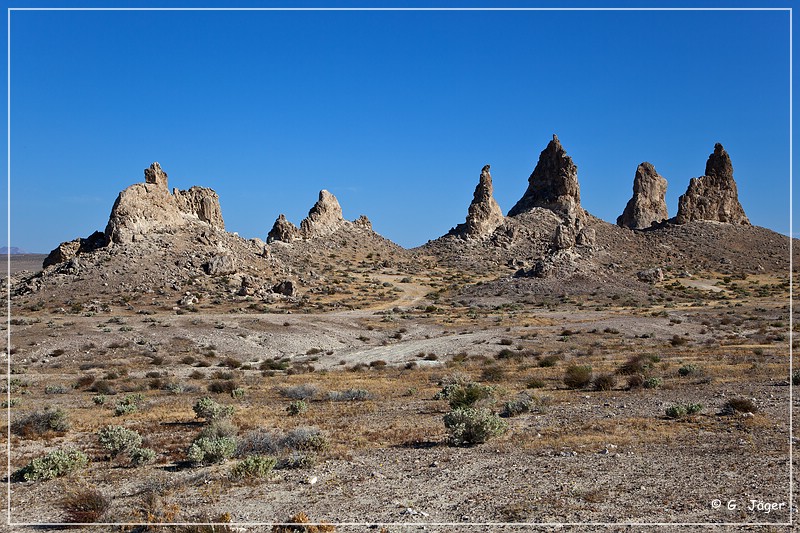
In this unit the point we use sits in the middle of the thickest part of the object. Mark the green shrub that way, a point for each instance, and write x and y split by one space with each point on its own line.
535 383
681 410
40 422
305 439
522 404
254 466
577 376
549 361
638 364
237 393
297 407
349 395
210 410
469 426
211 450
688 370
464 394
141 456
129 404
55 464
99 399
118 439
219 428
652 383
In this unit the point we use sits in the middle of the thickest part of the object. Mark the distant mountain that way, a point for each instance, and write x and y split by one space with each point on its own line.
5 250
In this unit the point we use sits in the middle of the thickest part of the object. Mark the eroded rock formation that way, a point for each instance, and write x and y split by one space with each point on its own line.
553 184
149 207
484 214
324 218
648 205
713 196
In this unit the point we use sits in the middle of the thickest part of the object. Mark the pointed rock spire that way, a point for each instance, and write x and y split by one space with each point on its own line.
156 176
713 196
553 184
647 206
484 214
324 218
283 231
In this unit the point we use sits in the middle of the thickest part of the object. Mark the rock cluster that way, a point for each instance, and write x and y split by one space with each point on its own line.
553 184
149 207
66 251
713 196
484 214
324 218
648 206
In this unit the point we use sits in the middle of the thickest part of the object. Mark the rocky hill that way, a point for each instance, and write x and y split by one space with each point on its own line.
170 249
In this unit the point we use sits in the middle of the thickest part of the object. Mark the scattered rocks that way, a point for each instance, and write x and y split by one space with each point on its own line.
484 214
648 205
652 275
713 196
68 250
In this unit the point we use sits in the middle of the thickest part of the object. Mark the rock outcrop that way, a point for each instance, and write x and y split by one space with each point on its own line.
648 205
713 196
324 218
149 207
67 251
201 202
553 184
484 214
283 231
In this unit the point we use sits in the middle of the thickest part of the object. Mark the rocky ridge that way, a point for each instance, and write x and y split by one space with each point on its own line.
648 206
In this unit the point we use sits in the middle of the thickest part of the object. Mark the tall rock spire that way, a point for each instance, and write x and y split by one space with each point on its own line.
713 196
484 214
647 206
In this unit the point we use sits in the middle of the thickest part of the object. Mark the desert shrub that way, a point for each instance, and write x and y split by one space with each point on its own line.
506 342
681 410
796 378
349 395
604 382
55 464
297 407
237 393
548 361
688 370
464 394
226 386
230 362
273 365
84 381
39 423
635 381
677 340
493 373
254 466
638 364
219 428
297 460
577 376
141 456
118 439
652 383
305 439
739 405
299 522
260 442
378 364
211 450
521 404
210 410
306 391
99 399
469 426
103 386
129 404
535 383
85 505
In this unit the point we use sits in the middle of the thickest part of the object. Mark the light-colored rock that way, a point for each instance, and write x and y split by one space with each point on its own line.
363 222
156 176
647 206
652 275
63 252
324 218
201 202
484 214
713 196
220 265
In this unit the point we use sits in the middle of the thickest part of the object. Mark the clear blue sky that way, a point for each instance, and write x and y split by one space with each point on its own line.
393 112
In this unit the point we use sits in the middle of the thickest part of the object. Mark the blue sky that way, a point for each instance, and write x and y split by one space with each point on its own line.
393 112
